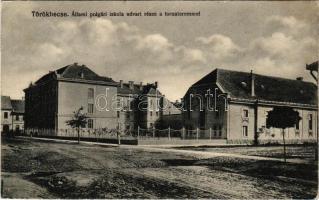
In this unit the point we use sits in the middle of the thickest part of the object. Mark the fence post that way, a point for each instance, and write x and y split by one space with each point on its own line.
138 132
153 132
169 133
197 130
210 133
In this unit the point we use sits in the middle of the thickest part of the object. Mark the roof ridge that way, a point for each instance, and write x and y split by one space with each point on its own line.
258 74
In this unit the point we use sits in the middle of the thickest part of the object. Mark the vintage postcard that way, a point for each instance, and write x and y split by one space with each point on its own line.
159 99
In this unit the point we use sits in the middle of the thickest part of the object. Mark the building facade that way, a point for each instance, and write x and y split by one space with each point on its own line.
234 105
12 114
52 99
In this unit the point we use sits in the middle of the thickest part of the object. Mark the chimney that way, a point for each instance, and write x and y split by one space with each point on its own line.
252 81
299 78
131 85
75 64
141 85
121 83
156 84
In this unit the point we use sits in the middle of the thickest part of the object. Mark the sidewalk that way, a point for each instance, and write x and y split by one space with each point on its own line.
197 154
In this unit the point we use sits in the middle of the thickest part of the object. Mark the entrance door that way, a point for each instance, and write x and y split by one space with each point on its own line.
5 128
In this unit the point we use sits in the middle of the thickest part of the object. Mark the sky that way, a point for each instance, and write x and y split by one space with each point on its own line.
274 38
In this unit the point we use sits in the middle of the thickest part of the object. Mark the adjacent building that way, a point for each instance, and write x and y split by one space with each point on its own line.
172 115
12 114
139 105
233 105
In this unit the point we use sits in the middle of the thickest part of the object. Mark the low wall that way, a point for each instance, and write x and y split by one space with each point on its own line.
272 141
165 141
102 140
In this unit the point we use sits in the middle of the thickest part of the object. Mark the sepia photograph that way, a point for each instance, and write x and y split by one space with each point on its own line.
159 99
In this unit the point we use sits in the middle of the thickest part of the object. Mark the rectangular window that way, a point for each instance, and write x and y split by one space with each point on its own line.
5 115
151 125
17 117
151 113
220 130
245 131
310 122
91 93
90 108
90 123
245 113
297 126
156 114
118 114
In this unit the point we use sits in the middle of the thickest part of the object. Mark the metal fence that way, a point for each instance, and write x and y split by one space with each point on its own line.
140 133
183 134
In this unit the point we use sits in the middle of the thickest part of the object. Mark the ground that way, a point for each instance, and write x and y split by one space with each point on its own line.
46 169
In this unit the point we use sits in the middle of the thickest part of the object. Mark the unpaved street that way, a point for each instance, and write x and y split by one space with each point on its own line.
50 169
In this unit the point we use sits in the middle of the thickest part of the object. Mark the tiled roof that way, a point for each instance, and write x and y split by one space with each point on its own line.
17 105
149 89
125 89
6 103
76 72
267 88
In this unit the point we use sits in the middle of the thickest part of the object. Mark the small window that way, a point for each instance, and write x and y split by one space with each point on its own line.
220 130
310 122
245 113
245 131
17 117
151 125
297 126
156 114
90 108
5 115
91 93
118 114
90 123
151 113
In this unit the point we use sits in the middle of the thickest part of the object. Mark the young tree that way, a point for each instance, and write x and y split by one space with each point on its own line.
282 117
78 121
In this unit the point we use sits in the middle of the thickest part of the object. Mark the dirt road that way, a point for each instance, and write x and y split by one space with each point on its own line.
85 171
